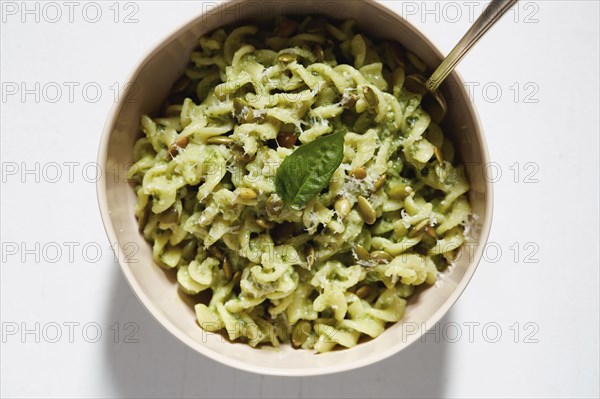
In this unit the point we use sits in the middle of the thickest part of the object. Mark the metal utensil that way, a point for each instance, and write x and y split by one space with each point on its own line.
433 101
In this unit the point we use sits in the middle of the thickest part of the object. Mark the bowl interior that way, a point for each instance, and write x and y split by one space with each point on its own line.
151 83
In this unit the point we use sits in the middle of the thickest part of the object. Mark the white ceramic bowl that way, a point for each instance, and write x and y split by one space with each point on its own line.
153 79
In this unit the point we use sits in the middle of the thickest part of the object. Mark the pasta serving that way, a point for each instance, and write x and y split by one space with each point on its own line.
294 176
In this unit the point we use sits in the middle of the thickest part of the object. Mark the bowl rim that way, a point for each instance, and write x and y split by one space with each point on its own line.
147 303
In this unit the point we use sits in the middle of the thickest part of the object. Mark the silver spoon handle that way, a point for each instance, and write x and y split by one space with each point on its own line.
490 15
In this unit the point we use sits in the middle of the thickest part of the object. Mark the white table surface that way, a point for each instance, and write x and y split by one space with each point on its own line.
538 287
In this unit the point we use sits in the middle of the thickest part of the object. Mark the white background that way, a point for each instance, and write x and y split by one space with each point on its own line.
540 294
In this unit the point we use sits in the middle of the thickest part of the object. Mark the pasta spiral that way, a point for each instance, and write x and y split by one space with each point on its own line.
342 267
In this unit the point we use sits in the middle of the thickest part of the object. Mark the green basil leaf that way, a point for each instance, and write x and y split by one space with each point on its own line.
305 172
